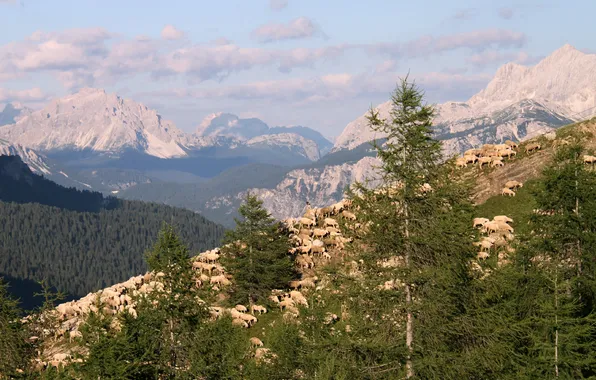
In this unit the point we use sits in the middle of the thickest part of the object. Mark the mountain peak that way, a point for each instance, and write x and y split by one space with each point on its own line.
93 120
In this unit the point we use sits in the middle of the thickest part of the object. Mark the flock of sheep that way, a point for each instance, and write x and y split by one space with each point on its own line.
315 236
493 154
498 234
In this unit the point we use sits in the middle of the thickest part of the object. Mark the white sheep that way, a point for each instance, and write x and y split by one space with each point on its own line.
503 218
348 215
479 222
239 322
329 222
241 308
482 255
306 222
256 342
508 192
258 309
533 147
513 184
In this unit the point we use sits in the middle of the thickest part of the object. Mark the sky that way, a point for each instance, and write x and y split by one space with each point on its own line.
316 63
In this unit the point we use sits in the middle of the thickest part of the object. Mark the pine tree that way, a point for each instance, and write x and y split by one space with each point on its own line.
256 253
419 220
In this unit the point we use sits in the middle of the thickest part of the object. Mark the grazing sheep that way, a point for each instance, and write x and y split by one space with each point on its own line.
258 309
589 159
461 162
256 342
329 222
503 218
496 162
274 298
484 160
471 159
306 222
298 297
239 322
532 147
241 308
511 144
220 280
315 249
285 303
490 227
294 284
513 184
348 215
484 245
307 283
326 256
508 192
479 222
319 232
250 319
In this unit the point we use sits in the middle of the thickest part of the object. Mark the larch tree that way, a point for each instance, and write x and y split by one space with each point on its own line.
418 235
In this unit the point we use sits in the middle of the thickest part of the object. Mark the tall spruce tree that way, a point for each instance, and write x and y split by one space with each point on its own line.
561 256
418 225
256 253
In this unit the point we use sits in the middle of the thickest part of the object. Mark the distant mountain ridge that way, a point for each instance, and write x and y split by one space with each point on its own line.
97 122
519 103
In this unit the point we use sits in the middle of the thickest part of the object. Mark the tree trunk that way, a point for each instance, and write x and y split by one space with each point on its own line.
409 321
556 326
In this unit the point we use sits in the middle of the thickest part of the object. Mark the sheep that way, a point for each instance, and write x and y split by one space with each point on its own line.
241 308
479 222
348 215
502 218
319 232
302 263
294 284
333 230
533 147
484 245
298 297
508 192
482 255
315 249
507 153
219 280
490 227
470 159
307 283
250 319
256 342
496 162
318 243
504 227
329 222
239 322
305 232
589 159
274 298
484 160
326 211
461 162
513 184
285 303
511 144
306 222
472 152
326 256
258 308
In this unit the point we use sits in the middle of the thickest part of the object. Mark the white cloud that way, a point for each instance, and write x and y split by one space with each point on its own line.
95 57
301 27
278 5
169 32
33 94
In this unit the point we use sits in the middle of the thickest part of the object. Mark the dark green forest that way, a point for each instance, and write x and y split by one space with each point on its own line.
80 241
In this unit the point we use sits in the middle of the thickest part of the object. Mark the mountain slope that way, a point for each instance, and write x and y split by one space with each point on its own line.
81 241
100 122
520 102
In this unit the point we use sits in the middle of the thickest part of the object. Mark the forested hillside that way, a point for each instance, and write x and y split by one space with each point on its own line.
87 242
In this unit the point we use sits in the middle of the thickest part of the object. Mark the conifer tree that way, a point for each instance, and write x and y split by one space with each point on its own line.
13 346
419 220
256 253
562 258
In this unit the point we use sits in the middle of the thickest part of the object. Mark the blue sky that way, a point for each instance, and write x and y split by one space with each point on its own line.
318 63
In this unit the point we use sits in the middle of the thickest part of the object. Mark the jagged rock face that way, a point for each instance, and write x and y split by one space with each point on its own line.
92 119
34 161
319 186
290 141
520 102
